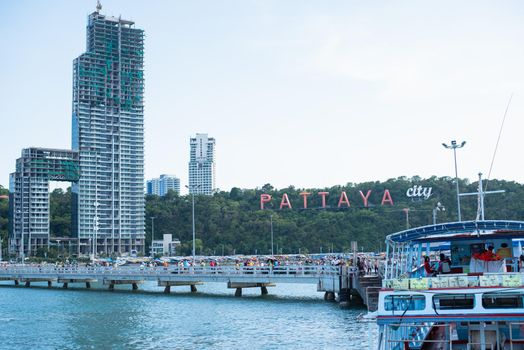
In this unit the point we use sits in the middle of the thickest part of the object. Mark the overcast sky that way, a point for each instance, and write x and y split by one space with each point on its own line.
303 93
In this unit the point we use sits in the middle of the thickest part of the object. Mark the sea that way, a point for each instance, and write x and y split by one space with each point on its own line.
291 316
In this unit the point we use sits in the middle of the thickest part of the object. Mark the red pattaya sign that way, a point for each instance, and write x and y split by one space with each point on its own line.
343 201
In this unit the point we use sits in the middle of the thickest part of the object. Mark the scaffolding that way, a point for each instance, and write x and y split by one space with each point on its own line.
108 132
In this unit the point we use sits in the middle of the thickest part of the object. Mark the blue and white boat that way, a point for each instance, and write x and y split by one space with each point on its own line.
478 304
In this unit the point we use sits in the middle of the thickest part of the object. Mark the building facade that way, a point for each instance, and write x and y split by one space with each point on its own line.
165 247
162 185
29 196
202 165
108 133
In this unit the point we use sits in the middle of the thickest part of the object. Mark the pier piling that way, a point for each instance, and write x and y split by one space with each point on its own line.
329 296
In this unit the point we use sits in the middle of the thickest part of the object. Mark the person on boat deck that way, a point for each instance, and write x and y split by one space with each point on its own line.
430 272
488 255
444 265
504 251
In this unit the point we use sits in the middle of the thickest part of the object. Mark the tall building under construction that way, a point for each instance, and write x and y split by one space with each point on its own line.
108 133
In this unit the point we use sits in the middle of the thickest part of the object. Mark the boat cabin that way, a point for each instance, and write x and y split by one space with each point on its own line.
454 286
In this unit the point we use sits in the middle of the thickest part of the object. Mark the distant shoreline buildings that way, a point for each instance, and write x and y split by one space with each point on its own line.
106 163
202 165
161 186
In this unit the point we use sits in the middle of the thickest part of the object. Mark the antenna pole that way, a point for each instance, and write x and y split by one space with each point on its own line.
498 140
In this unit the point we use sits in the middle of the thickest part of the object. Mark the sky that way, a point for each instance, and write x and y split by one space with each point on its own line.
305 93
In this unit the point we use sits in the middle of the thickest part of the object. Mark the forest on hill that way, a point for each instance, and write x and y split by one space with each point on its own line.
232 222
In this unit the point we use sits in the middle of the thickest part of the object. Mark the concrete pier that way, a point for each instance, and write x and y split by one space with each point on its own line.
331 280
169 284
329 296
27 281
67 281
238 286
134 283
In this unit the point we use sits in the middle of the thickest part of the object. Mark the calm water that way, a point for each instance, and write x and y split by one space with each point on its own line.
290 317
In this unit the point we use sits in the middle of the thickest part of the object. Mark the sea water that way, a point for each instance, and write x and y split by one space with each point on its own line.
292 316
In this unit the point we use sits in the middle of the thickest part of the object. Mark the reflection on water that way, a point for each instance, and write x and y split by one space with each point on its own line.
290 317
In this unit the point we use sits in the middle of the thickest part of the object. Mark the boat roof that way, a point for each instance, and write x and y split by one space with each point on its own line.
460 231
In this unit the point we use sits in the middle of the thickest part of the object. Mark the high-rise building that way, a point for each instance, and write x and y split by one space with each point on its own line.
108 133
202 165
29 196
162 185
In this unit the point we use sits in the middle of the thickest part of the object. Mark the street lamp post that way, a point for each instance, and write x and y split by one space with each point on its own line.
152 234
271 224
454 146
192 189
95 229
406 211
437 208
21 251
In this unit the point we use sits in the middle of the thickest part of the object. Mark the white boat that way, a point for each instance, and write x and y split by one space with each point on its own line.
479 304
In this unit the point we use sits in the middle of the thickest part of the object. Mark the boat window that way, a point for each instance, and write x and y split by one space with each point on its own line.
404 302
502 301
454 301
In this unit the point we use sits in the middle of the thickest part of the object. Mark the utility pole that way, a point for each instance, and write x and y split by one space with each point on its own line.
152 234
192 189
271 223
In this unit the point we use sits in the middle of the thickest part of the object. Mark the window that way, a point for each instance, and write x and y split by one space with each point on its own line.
404 302
454 301
502 301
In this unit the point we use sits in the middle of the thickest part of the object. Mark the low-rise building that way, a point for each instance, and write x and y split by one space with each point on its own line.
166 246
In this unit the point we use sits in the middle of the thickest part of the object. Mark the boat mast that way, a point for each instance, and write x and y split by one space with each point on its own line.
481 194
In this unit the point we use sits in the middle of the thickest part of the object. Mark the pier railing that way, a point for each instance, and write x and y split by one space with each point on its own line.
327 278
296 271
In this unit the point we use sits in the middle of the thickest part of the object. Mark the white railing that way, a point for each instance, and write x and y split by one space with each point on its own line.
297 271
400 336
511 339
